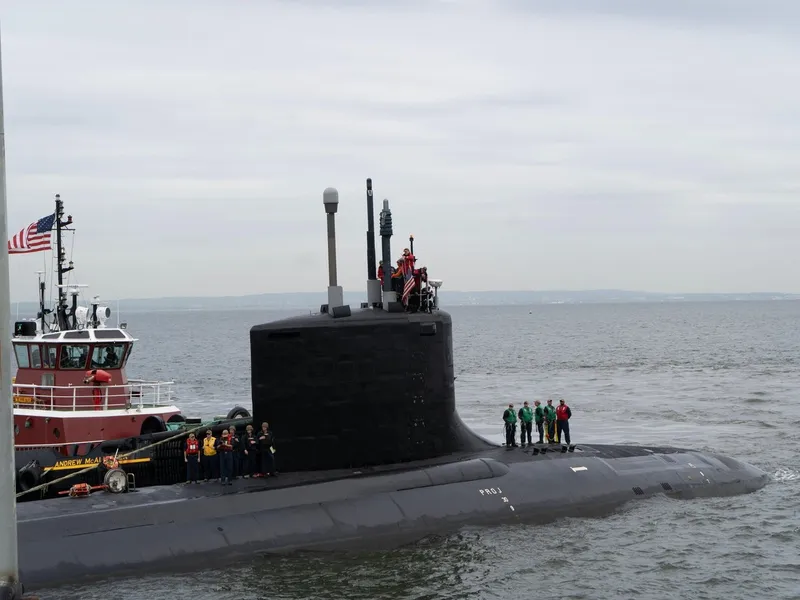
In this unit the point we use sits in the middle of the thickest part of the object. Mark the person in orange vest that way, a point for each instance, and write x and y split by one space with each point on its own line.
191 455
409 260
209 459
563 413
97 377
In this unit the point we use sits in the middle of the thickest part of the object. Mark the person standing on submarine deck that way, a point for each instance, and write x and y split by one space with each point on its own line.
563 414
538 415
510 419
266 443
525 424
250 450
550 418
236 453
398 277
209 459
225 451
191 456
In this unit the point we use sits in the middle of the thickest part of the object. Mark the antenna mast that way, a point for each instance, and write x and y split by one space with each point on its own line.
330 199
42 310
62 310
373 285
389 296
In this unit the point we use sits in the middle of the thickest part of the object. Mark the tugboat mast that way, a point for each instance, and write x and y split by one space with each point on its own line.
62 310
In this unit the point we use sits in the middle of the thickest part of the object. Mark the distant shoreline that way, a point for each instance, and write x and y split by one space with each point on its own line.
313 300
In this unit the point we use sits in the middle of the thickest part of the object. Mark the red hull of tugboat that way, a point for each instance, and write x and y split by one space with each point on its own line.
37 428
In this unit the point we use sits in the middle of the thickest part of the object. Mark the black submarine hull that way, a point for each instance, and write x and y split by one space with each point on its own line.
172 527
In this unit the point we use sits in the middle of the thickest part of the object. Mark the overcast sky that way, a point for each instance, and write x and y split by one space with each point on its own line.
525 145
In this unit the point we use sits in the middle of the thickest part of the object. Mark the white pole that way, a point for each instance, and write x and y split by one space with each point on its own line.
9 562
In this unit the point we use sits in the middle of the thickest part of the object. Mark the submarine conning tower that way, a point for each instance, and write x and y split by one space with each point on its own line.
349 388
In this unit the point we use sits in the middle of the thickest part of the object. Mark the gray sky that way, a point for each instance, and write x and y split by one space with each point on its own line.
525 145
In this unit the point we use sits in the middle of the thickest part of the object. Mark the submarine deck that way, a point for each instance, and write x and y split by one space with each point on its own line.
98 501
187 525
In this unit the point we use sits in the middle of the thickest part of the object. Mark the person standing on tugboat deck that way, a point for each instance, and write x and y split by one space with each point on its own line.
266 447
225 452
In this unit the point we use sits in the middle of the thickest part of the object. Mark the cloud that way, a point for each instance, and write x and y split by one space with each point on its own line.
644 145
772 15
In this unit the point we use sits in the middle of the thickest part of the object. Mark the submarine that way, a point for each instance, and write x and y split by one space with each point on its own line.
370 449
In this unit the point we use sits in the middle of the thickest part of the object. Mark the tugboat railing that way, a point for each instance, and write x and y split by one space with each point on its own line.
135 394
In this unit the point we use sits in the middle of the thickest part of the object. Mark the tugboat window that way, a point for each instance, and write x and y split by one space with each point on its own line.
74 357
50 357
21 351
36 357
108 356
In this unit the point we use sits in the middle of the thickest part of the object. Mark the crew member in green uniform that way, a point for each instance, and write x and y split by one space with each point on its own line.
510 419
550 416
538 414
525 423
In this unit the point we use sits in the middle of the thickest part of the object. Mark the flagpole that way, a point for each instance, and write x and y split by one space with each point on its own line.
9 561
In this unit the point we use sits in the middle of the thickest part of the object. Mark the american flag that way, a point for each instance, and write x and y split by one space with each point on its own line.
33 238
407 289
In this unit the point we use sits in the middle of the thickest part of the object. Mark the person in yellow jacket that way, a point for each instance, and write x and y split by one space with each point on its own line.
209 458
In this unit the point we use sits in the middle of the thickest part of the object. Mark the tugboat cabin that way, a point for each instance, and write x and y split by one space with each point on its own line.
55 369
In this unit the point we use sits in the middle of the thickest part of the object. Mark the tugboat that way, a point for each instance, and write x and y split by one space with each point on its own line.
71 388
71 393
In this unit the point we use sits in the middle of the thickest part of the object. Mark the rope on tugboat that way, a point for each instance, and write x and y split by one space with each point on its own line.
116 458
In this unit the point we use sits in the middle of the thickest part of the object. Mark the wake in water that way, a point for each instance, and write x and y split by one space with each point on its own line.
784 475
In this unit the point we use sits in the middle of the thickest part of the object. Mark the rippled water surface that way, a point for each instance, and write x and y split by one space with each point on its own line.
720 376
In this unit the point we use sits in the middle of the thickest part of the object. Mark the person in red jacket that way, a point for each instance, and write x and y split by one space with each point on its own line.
191 454
563 413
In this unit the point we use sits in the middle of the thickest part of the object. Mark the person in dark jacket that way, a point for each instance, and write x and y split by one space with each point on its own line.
236 471
266 447
225 451
563 414
510 419
250 452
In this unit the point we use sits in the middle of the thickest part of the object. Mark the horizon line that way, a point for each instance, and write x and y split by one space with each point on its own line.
675 295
